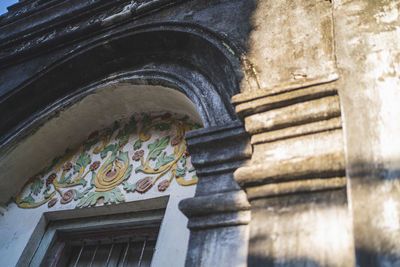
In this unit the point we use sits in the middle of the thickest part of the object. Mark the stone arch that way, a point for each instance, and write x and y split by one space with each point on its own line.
198 62
188 60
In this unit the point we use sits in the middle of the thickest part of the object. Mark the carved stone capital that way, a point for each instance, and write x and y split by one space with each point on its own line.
297 140
216 153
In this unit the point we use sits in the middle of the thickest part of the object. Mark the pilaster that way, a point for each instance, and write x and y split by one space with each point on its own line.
219 212
295 180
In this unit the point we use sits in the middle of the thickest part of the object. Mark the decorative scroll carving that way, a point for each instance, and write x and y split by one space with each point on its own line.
113 160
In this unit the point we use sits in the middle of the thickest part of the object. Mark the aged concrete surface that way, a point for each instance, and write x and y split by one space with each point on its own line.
368 40
290 41
218 247
295 181
302 230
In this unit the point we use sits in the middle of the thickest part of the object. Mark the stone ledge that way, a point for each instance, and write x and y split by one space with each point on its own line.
297 131
282 88
305 146
329 165
299 113
294 187
220 220
232 201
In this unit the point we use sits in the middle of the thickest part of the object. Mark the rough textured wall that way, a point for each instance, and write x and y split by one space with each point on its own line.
295 181
368 40
290 41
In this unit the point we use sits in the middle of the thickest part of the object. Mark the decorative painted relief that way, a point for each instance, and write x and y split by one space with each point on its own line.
131 157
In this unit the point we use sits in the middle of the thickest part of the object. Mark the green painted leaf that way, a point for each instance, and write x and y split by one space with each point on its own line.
123 156
153 146
163 160
77 168
48 194
183 161
155 154
158 146
180 172
113 196
138 169
79 195
65 180
123 134
137 144
106 198
119 196
192 169
82 162
29 199
162 126
82 182
146 120
128 172
88 144
113 148
164 142
110 131
36 187
129 187
92 179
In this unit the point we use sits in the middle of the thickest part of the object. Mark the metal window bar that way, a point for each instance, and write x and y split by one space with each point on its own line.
119 252
79 255
141 253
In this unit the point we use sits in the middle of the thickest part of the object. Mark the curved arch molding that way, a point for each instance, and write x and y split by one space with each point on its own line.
206 69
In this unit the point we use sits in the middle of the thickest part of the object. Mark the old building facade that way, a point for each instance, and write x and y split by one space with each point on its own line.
212 133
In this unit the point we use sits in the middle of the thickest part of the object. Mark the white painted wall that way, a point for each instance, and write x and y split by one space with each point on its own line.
95 111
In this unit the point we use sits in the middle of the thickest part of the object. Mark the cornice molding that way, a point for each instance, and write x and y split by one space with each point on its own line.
58 23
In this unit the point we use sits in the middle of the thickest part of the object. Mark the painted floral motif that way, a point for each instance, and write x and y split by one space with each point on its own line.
50 179
143 185
52 202
102 167
67 196
163 185
138 155
95 165
67 166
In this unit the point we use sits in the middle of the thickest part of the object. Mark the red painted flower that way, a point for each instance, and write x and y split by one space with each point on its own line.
67 196
187 154
143 185
94 166
67 166
163 185
52 202
166 116
175 140
138 155
50 179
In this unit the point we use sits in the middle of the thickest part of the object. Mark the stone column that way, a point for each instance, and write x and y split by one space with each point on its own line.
219 212
367 37
295 180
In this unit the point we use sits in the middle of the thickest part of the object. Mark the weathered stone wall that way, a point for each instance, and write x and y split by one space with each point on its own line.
367 37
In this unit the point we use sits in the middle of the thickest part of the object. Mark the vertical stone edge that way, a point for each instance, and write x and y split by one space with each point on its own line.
219 212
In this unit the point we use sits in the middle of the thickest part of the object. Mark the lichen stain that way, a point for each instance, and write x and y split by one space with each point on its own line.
327 35
379 16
